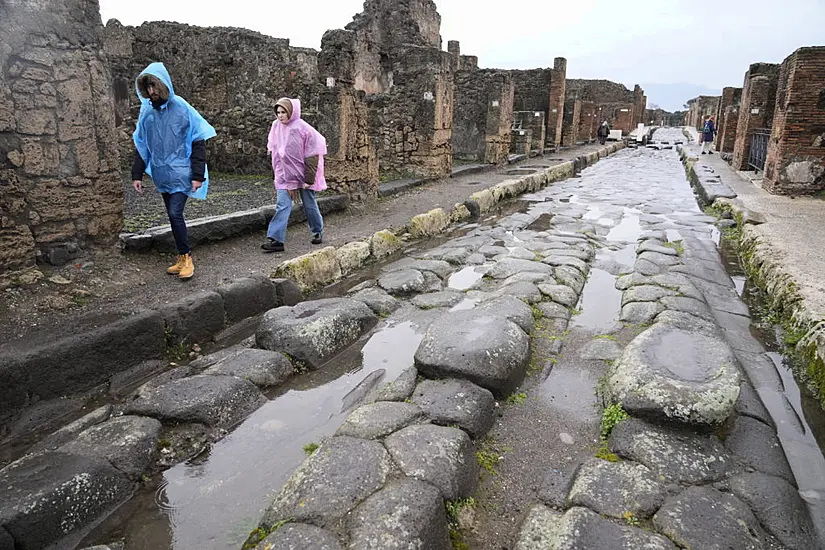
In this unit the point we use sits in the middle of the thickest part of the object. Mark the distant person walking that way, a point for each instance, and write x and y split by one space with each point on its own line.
603 132
298 152
708 133
170 145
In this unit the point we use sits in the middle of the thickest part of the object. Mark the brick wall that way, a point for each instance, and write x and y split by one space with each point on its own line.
727 118
795 162
570 123
555 112
614 102
483 115
60 189
588 121
543 90
756 108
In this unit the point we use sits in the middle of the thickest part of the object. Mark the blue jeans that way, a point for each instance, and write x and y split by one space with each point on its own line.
175 203
277 226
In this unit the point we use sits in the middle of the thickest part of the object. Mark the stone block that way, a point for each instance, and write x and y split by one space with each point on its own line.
247 297
484 199
195 318
264 368
380 419
352 256
383 243
312 270
457 402
429 224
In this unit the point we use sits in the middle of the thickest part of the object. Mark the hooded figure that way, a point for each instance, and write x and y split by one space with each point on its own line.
602 132
297 151
170 145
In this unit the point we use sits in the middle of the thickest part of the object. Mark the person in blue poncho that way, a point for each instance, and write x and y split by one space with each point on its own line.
170 145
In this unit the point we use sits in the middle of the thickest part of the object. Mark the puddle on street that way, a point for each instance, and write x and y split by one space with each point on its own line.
216 502
629 229
600 302
571 390
466 277
466 303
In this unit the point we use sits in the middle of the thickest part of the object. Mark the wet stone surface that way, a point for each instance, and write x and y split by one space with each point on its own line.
616 489
261 367
300 536
456 402
376 420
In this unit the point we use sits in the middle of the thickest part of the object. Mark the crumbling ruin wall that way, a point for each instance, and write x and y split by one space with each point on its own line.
570 122
60 189
533 121
756 108
614 102
795 162
482 115
555 112
727 119
542 90
700 107
588 121
231 76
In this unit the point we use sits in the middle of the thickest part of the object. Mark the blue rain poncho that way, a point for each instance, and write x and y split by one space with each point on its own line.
163 138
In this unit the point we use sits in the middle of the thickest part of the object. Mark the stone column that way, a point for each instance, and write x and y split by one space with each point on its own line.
756 108
570 126
499 120
727 119
60 188
454 47
555 110
795 163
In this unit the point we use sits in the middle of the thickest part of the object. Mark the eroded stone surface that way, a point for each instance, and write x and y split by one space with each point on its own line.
601 348
456 402
510 266
445 298
338 476
300 536
398 390
640 312
263 368
617 488
403 282
444 457
684 376
376 420
756 445
560 294
378 300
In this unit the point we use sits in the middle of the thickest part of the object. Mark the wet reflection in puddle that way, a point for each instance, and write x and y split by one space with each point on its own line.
466 278
466 303
571 390
217 502
628 229
600 302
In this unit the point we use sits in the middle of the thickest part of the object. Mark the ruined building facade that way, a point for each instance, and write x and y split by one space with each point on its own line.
60 188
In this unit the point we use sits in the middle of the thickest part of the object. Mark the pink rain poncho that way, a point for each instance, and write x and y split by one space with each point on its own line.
290 144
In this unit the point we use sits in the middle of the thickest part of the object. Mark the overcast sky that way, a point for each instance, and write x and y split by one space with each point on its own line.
708 43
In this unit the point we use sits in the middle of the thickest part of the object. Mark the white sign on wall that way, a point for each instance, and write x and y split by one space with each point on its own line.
428 96
330 82
755 111
495 103
537 113
554 111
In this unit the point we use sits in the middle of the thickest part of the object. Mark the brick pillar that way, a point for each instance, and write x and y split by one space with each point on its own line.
570 125
727 119
454 47
499 121
756 108
795 162
587 121
639 103
555 109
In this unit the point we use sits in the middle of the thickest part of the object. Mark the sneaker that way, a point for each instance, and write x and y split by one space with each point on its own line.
271 245
704 153
317 238
710 152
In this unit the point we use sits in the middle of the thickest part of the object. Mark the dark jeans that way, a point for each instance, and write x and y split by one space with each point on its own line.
175 203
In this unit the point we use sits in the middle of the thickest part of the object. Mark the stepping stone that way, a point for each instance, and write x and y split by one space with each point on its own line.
778 507
603 349
403 282
570 277
702 517
398 390
677 457
443 457
313 332
377 420
440 267
405 514
444 298
617 488
49 496
527 292
685 376
510 308
379 301
300 536
557 260
646 293
459 402
488 350
262 367
639 313
652 245
560 294
220 401
756 445
510 266
581 529
690 306
333 480
127 442
552 310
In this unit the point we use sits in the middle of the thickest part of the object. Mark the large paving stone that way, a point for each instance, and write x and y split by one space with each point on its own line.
445 298
522 290
558 260
376 420
220 401
459 402
70 431
757 446
127 442
604 349
194 318
312 332
690 306
640 312
488 350
46 497
510 308
405 514
337 477
398 390
646 293
684 376
379 301
561 294
581 529
404 282
702 517
300 536
687 322
778 507
617 488
679 457
444 457
440 267
262 367
508 267
571 277
553 310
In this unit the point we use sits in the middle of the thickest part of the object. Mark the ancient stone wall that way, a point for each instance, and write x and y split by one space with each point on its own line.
543 90
555 112
232 76
483 115
795 162
701 106
756 108
60 190
727 119
614 102
533 121
588 121
570 122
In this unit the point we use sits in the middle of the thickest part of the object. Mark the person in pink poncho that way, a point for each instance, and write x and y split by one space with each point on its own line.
297 151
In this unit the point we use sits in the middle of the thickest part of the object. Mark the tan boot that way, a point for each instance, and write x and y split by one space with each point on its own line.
188 268
177 266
